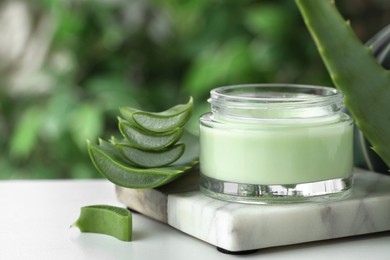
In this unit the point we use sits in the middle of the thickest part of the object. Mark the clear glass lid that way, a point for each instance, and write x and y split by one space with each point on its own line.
275 101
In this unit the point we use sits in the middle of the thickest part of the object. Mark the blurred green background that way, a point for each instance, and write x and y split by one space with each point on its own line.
66 66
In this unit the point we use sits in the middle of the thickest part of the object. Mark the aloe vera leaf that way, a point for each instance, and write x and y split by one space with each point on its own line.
354 70
148 140
151 159
380 46
110 163
106 219
164 121
190 141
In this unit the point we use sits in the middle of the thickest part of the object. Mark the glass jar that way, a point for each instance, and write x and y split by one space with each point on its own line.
276 143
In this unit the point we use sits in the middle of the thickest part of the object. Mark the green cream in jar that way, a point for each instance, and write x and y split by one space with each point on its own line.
272 143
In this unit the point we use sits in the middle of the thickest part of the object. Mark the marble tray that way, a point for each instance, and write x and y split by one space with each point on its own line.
241 227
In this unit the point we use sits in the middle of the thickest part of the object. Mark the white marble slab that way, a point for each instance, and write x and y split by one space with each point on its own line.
240 227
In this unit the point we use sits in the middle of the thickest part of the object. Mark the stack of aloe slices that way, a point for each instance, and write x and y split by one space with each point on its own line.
154 148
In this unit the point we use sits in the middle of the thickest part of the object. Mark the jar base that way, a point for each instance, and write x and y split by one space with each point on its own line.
321 191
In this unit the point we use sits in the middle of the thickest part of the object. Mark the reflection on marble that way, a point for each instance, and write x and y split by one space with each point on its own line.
237 227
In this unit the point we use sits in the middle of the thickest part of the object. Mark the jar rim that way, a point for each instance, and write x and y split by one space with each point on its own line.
275 94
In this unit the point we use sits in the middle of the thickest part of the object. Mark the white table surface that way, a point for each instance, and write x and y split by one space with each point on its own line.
35 217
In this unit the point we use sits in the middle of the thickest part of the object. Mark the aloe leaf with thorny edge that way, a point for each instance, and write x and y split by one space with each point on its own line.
145 140
147 158
365 156
354 70
113 166
164 121
150 159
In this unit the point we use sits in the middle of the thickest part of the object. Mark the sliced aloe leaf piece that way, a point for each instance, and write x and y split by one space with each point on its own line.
147 140
160 122
105 219
151 159
110 163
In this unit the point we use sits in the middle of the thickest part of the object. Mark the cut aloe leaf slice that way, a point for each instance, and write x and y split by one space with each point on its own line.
110 163
106 219
151 159
146 140
160 122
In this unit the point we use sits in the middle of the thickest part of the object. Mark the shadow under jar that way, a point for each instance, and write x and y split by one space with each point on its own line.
276 143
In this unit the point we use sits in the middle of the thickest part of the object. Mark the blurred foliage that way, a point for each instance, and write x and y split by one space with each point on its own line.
150 54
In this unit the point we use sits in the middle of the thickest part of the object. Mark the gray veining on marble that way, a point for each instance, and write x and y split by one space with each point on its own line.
150 202
153 202
236 227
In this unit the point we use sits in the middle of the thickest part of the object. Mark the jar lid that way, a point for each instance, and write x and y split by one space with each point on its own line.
275 101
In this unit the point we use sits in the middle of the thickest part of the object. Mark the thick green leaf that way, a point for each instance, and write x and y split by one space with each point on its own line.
165 121
151 159
145 140
106 219
110 163
354 70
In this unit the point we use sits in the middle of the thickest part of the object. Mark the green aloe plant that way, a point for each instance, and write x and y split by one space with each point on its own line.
354 70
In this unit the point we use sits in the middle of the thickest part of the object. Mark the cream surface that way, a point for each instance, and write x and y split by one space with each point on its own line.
277 155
